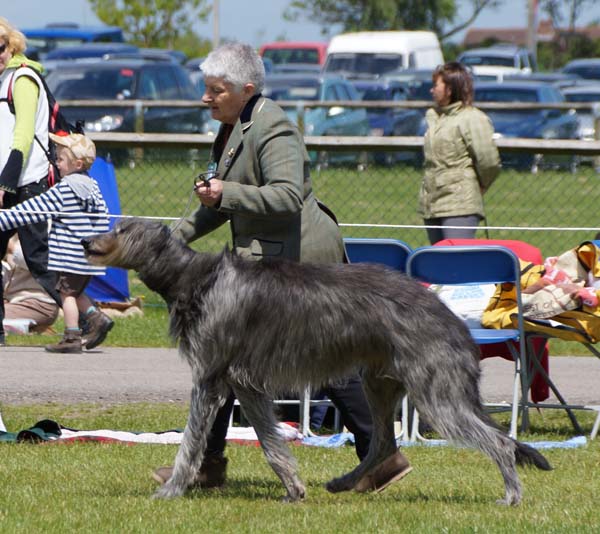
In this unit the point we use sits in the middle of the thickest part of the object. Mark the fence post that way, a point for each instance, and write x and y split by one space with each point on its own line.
138 110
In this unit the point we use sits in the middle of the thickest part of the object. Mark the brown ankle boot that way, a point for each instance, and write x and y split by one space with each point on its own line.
70 343
393 468
99 325
213 473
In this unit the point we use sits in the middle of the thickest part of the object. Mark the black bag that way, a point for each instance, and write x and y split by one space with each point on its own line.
56 123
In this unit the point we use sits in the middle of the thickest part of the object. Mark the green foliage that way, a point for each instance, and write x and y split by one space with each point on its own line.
157 23
355 15
439 16
567 46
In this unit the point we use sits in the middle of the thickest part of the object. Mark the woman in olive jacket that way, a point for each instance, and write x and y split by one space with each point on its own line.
461 159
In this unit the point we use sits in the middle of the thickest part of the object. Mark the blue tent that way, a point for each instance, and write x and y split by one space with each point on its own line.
113 286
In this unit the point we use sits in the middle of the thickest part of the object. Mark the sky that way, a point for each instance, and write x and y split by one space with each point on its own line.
250 21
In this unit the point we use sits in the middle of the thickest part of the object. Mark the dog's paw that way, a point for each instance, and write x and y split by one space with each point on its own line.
298 497
515 501
168 491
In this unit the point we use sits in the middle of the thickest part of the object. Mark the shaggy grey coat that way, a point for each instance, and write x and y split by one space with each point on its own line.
263 328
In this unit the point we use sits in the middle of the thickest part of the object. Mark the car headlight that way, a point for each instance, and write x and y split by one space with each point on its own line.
104 124
497 135
551 133
378 132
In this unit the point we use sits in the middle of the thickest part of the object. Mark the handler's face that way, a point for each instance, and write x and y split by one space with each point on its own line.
5 54
224 100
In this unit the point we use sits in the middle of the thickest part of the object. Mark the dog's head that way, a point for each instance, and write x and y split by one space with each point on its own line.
131 244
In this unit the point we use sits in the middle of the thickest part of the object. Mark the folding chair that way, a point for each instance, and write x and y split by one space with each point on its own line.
390 252
472 265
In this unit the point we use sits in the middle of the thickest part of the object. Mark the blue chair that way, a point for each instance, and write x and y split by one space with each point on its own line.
390 252
480 264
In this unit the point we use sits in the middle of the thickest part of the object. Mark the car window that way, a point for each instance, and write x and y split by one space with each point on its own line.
330 93
343 92
585 71
294 93
582 97
92 84
506 95
167 82
364 63
377 93
148 86
495 61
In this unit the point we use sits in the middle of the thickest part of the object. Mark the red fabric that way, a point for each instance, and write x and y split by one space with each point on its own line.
525 251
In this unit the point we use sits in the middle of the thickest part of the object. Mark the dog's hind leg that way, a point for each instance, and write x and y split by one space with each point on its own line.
259 411
456 413
382 395
206 399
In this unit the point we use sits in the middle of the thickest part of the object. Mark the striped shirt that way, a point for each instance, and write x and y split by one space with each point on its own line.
77 210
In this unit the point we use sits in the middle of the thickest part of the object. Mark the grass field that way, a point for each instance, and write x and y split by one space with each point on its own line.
107 487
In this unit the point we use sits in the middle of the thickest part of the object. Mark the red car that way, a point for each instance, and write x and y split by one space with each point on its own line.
305 52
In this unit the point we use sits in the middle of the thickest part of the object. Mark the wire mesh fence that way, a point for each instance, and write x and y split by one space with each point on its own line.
554 208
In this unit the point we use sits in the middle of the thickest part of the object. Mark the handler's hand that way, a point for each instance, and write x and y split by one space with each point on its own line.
2 198
210 196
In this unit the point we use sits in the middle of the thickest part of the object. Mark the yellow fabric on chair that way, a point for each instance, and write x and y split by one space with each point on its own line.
581 324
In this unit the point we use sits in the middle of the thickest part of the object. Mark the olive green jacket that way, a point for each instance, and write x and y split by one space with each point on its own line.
461 161
267 192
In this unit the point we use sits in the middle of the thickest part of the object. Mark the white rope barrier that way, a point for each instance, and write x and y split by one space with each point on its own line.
346 225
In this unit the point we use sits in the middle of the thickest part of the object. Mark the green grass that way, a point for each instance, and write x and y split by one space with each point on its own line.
107 487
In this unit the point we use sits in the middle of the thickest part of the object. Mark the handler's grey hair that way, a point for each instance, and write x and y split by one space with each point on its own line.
236 63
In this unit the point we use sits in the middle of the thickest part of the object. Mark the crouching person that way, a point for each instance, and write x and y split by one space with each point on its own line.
77 209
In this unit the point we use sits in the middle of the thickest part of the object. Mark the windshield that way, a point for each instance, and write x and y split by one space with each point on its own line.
295 93
292 55
101 84
496 61
583 97
506 95
375 64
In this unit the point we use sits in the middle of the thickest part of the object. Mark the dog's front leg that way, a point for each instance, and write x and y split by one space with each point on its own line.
259 411
207 398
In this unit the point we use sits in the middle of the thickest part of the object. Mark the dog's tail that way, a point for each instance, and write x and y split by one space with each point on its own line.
528 456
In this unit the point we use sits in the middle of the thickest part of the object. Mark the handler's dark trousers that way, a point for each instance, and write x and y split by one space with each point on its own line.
348 398
34 242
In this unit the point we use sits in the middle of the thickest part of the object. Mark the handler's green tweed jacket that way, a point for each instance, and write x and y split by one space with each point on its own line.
460 159
267 192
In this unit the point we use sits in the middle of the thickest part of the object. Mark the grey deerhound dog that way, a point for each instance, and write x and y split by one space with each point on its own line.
264 328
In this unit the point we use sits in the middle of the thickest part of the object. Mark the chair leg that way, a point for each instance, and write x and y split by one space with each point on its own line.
596 425
540 369
305 412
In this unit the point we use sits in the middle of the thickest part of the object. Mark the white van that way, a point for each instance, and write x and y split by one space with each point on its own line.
380 53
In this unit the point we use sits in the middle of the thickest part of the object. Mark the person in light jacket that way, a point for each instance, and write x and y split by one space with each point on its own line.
461 158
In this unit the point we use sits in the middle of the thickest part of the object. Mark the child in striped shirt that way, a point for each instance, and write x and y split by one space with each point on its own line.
77 209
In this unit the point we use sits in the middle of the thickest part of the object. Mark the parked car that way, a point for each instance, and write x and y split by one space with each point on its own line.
335 120
378 53
389 121
57 35
498 61
86 51
295 52
588 68
528 123
585 94
127 80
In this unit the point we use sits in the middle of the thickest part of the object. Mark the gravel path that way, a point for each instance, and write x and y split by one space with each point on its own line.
110 375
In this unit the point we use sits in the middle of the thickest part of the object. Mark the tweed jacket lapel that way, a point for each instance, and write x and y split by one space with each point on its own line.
233 146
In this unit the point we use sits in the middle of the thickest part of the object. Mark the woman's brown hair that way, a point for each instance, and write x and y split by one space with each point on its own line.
457 79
